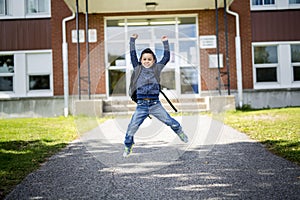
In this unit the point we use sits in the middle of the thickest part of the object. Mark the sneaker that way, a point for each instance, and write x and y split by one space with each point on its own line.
184 138
127 151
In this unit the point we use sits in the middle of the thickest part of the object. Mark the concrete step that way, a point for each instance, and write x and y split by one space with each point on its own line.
102 107
182 105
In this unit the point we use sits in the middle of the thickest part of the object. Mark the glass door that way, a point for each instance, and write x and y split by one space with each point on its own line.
179 77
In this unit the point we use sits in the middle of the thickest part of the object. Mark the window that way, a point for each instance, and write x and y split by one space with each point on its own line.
265 63
4 7
6 63
276 65
20 9
117 78
266 74
37 6
294 1
39 82
263 2
189 80
295 57
6 72
26 74
38 70
265 54
274 4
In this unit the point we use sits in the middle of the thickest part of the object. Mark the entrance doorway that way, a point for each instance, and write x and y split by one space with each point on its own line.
181 74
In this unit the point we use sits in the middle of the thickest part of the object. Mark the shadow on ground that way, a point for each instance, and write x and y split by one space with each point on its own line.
19 158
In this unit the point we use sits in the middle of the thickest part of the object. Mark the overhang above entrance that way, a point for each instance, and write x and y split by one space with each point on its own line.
116 6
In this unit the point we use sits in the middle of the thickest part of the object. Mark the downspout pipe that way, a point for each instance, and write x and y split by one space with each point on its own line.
65 64
238 56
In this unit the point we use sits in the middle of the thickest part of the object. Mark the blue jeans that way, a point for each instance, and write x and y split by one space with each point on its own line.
145 108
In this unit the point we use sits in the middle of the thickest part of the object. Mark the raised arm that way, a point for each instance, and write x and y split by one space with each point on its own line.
133 56
166 56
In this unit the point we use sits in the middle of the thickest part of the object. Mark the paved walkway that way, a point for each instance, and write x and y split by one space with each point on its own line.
217 163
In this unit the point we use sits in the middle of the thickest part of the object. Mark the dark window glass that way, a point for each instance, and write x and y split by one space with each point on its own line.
296 72
266 74
295 51
6 83
117 79
294 1
2 7
269 2
263 2
6 64
39 82
265 54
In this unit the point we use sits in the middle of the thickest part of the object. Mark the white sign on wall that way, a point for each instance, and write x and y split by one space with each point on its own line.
74 36
208 41
92 35
213 60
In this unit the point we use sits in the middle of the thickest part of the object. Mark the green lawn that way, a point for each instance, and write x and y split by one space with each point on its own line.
26 143
277 129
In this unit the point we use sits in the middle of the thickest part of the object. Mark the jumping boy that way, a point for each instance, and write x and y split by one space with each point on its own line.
147 91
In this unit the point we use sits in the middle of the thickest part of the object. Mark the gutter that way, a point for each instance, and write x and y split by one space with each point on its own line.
65 64
238 57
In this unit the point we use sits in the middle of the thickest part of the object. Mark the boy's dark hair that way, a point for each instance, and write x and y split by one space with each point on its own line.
147 50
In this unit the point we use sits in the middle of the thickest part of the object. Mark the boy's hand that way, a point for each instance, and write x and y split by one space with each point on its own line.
164 38
135 36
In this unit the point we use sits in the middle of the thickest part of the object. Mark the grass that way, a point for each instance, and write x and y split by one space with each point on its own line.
27 143
277 129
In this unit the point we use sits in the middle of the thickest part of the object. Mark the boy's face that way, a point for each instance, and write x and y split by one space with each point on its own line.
147 60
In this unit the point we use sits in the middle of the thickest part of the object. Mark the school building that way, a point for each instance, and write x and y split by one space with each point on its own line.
56 54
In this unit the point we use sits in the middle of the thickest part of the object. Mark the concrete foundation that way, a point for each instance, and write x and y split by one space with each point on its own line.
272 98
32 107
54 106
91 108
219 104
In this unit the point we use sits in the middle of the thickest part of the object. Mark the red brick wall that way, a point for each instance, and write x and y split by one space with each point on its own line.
207 26
96 57
59 10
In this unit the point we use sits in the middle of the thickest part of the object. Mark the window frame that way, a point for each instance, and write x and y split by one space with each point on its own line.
17 9
284 67
21 75
6 8
37 74
294 64
33 72
266 84
3 9
263 3
294 3
279 5
9 74
38 13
